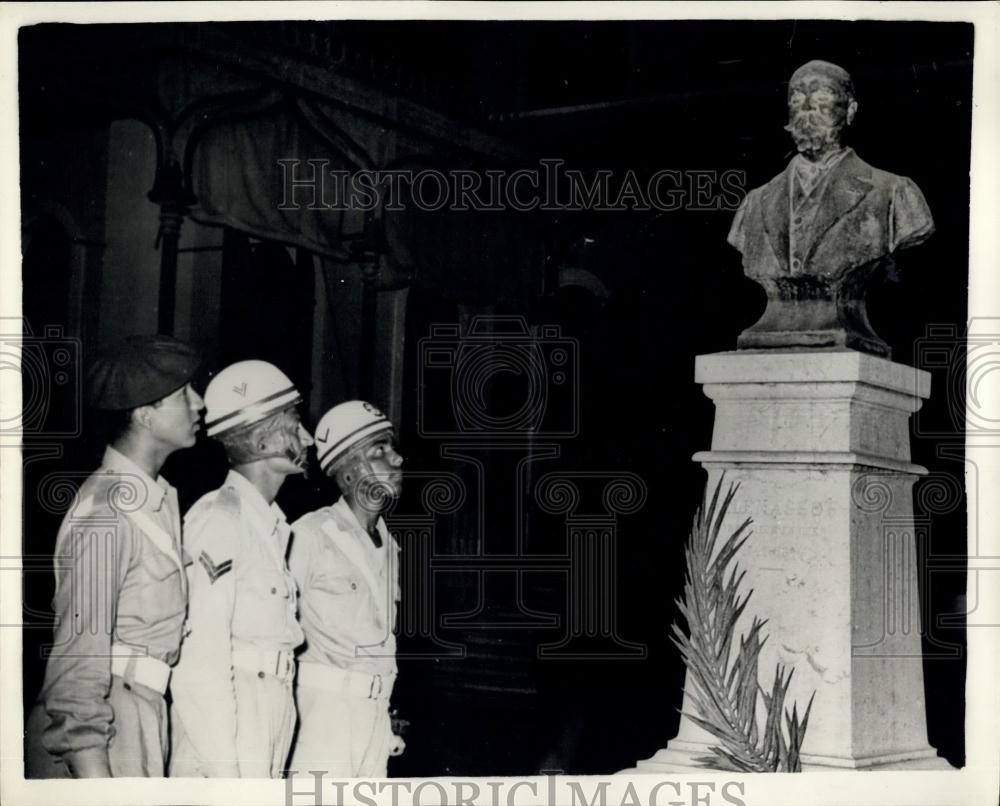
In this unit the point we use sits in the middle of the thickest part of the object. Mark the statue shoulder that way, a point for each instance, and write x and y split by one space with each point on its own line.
776 184
881 179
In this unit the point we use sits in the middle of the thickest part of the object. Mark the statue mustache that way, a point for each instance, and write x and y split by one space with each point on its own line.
813 123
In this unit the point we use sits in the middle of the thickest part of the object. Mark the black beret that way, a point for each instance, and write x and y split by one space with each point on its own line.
140 370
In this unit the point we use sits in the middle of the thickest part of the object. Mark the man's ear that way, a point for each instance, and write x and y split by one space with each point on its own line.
261 438
852 110
143 416
345 477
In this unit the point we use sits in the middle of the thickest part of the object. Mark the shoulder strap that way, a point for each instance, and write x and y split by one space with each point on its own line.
156 534
349 547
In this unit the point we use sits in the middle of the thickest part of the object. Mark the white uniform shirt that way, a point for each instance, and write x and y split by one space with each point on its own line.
241 593
349 589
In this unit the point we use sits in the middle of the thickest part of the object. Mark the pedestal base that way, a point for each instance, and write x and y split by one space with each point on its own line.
819 444
812 339
679 757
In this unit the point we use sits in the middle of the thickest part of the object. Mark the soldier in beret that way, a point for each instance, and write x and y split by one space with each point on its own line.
121 590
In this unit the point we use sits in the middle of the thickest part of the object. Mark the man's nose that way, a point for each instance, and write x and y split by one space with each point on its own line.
395 459
305 437
195 401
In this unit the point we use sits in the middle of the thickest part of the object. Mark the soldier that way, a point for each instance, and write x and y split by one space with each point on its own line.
121 595
345 563
233 708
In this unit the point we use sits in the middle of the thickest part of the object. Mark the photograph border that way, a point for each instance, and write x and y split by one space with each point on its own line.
975 784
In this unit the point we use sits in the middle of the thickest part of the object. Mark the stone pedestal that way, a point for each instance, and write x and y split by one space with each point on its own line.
819 443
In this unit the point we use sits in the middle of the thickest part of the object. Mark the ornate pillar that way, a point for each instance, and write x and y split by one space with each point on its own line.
369 325
175 200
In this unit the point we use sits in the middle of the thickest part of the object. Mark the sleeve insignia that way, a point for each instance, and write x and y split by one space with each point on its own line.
214 571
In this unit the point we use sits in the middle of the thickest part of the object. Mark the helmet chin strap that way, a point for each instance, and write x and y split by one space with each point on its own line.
367 479
293 452
299 459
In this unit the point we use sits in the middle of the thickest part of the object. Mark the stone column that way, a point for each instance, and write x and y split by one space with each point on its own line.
819 443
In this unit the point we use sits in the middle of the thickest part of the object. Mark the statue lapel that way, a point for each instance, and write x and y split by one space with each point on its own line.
775 214
848 184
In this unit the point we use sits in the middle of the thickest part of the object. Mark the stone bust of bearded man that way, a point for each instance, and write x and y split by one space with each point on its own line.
816 233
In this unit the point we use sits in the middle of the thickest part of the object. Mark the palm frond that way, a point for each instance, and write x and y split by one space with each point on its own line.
724 688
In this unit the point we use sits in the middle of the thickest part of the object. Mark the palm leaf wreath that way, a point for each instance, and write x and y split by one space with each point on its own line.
723 690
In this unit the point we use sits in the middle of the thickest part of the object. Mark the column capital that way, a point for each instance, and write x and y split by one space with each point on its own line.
170 190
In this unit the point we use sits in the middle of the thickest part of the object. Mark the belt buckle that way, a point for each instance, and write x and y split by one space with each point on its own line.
372 693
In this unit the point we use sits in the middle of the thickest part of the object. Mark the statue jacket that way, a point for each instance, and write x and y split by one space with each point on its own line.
862 216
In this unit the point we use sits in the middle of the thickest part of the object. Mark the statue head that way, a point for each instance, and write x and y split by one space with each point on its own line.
821 105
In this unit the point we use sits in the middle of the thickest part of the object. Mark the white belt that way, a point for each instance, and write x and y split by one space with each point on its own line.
280 663
145 671
342 681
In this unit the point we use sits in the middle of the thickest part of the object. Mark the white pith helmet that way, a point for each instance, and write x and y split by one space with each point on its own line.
344 426
245 393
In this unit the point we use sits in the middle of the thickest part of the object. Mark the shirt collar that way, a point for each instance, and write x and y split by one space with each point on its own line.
268 514
348 514
352 520
117 462
812 170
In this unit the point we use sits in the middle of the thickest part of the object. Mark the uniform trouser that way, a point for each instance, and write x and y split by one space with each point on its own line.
138 748
341 735
265 721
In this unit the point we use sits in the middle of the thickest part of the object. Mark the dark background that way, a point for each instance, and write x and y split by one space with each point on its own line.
644 96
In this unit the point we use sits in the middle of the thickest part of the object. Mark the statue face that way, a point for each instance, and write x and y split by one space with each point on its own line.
818 111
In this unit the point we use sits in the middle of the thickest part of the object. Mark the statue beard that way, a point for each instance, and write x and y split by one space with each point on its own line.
814 132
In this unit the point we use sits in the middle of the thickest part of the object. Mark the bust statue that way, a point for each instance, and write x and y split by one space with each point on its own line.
815 234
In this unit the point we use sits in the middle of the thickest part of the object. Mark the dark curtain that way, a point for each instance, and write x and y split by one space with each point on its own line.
267 306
